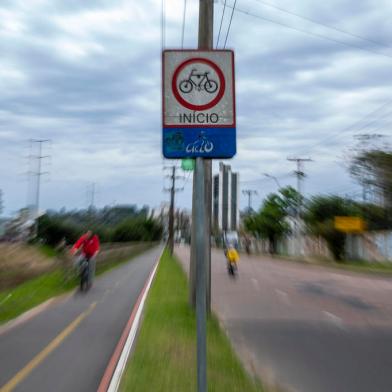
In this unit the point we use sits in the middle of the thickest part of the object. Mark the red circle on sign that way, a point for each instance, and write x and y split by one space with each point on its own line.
189 105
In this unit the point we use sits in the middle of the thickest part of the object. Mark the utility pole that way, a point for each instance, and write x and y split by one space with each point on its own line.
205 42
249 193
172 191
38 174
300 176
200 268
92 194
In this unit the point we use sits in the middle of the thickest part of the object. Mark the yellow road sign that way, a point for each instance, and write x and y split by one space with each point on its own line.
349 224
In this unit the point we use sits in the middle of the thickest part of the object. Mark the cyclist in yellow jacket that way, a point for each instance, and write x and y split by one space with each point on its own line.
232 259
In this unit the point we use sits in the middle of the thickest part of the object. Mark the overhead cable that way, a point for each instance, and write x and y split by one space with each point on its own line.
231 19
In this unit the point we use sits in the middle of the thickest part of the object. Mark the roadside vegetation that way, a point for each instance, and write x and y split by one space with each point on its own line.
32 278
165 355
371 167
112 224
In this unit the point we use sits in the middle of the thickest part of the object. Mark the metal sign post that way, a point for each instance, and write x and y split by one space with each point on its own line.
198 121
201 312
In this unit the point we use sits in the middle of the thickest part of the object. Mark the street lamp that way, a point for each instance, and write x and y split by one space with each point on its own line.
273 178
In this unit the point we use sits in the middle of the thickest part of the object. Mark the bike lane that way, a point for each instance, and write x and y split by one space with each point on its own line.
68 346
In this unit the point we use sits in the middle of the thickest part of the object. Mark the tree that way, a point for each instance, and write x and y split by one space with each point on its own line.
376 217
373 169
270 222
320 214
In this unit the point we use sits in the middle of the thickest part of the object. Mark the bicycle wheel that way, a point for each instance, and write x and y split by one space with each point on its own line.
84 277
211 86
186 86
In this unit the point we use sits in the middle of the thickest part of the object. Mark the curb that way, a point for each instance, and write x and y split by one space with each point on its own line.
112 377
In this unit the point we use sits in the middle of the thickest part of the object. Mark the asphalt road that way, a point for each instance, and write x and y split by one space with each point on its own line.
68 346
303 328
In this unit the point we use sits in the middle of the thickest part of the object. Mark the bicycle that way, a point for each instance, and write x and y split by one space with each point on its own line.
232 259
203 83
84 274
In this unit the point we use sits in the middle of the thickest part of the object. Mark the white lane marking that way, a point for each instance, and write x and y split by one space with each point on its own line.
116 378
283 296
337 321
255 283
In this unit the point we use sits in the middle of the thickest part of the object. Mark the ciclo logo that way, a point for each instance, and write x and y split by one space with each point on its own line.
202 145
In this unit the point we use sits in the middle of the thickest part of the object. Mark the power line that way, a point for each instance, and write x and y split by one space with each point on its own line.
186 180
221 22
366 125
353 126
282 177
231 19
321 36
183 25
322 24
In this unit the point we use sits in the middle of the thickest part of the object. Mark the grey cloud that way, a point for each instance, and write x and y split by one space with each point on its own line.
101 106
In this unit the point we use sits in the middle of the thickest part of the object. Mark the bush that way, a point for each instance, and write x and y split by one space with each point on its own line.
137 230
52 230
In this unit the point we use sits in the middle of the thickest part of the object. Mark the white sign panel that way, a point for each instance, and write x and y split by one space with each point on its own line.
198 88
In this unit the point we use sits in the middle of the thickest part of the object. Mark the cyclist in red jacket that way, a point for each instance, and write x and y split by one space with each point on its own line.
88 245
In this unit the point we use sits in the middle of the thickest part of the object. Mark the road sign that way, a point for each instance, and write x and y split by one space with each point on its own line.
349 224
198 104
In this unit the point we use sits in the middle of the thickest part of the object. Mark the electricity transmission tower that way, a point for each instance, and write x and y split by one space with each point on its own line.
38 174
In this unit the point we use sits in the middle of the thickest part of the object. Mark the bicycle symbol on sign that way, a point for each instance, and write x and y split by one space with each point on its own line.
199 81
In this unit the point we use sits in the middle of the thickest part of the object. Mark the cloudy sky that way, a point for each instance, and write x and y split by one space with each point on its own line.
86 75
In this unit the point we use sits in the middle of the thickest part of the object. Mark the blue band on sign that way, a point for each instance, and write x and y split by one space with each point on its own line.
199 142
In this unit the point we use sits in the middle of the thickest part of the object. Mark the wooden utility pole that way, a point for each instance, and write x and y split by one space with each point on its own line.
201 221
205 42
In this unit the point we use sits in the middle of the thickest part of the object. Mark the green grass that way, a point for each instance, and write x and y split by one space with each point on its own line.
15 301
165 355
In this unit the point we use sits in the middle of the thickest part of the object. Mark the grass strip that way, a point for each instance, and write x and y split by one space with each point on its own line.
15 301
165 355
